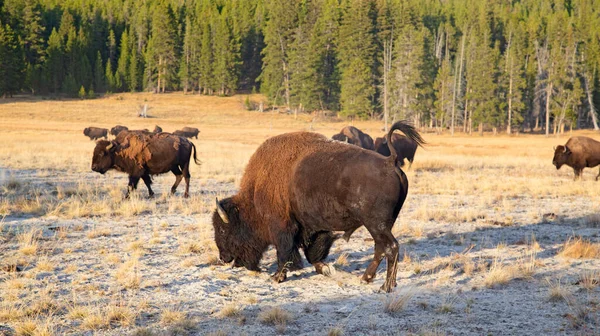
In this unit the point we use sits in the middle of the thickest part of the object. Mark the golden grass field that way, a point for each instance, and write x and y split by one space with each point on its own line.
495 239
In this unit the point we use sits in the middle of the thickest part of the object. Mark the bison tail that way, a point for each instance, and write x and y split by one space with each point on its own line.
408 130
195 158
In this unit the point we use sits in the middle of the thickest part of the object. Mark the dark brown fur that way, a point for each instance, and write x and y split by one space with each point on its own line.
579 152
300 187
95 133
405 147
117 129
354 136
141 155
188 132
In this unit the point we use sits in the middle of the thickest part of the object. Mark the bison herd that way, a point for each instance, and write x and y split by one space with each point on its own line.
298 189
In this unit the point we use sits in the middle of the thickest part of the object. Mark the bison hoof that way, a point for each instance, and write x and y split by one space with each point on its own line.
186 195
324 269
386 289
366 279
279 277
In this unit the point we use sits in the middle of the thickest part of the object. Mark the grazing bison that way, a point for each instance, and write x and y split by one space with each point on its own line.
300 187
354 136
95 133
142 155
188 132
578 153
117 129
405 148
157 129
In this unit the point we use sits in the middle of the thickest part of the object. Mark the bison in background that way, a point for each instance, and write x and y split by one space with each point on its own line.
141 155
300 187
117 129
353 135
405 147
95 133
579 152
188 132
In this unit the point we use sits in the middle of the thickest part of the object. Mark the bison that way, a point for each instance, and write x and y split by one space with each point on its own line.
405 147
95 133
141 155
579 152
117 129
157 129
188 132
354 136
300 187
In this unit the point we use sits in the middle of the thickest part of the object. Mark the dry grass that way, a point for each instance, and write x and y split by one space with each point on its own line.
230 310
275 316
44 264
396 302
557 292
128 274
335 331
28 241
342 260
589 279
499 274
172 316
578 248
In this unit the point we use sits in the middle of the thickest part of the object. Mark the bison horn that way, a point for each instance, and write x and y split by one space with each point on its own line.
109 146
554 149
222 212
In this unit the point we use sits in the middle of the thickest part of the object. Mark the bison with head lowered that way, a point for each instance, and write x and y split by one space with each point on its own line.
579 152
298 188
141 155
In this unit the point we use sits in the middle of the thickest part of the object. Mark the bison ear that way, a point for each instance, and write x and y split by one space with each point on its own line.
222 212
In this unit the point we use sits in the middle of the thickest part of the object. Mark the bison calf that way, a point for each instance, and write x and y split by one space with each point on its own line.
142 155
300 187
95 133
579 152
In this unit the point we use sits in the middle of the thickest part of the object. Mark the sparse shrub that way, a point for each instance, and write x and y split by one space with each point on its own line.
169 316
396 302
499 275
274 316
578 248
230 310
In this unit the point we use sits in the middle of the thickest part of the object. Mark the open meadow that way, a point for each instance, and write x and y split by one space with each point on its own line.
494 240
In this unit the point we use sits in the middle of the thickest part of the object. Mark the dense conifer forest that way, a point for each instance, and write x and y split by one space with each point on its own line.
464 65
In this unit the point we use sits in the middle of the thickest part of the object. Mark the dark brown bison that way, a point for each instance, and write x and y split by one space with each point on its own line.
405 147
117 129
188 132
157 129
354 136
95 133
300 187
141 155
578 153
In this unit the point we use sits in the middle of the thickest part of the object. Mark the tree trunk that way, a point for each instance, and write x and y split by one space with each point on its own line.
457 82
510 88
548 97
586 81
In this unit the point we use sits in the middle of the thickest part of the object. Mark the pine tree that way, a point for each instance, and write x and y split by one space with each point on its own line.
33 30
122 73
357 59
99 75
111 83
54 66
186 65
226 54
11 62
205 62
163 65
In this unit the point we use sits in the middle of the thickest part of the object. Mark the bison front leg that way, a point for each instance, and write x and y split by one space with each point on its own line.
288 256
132 185
577 172
317 250
148 182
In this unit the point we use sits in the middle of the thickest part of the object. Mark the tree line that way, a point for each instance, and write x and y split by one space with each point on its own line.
458 64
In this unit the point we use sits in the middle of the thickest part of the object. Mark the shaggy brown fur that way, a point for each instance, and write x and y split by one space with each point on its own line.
300 187
579 152
141 155
405 147
117 129
354 136
95 133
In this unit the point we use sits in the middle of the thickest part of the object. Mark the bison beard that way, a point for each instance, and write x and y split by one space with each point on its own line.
300 187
